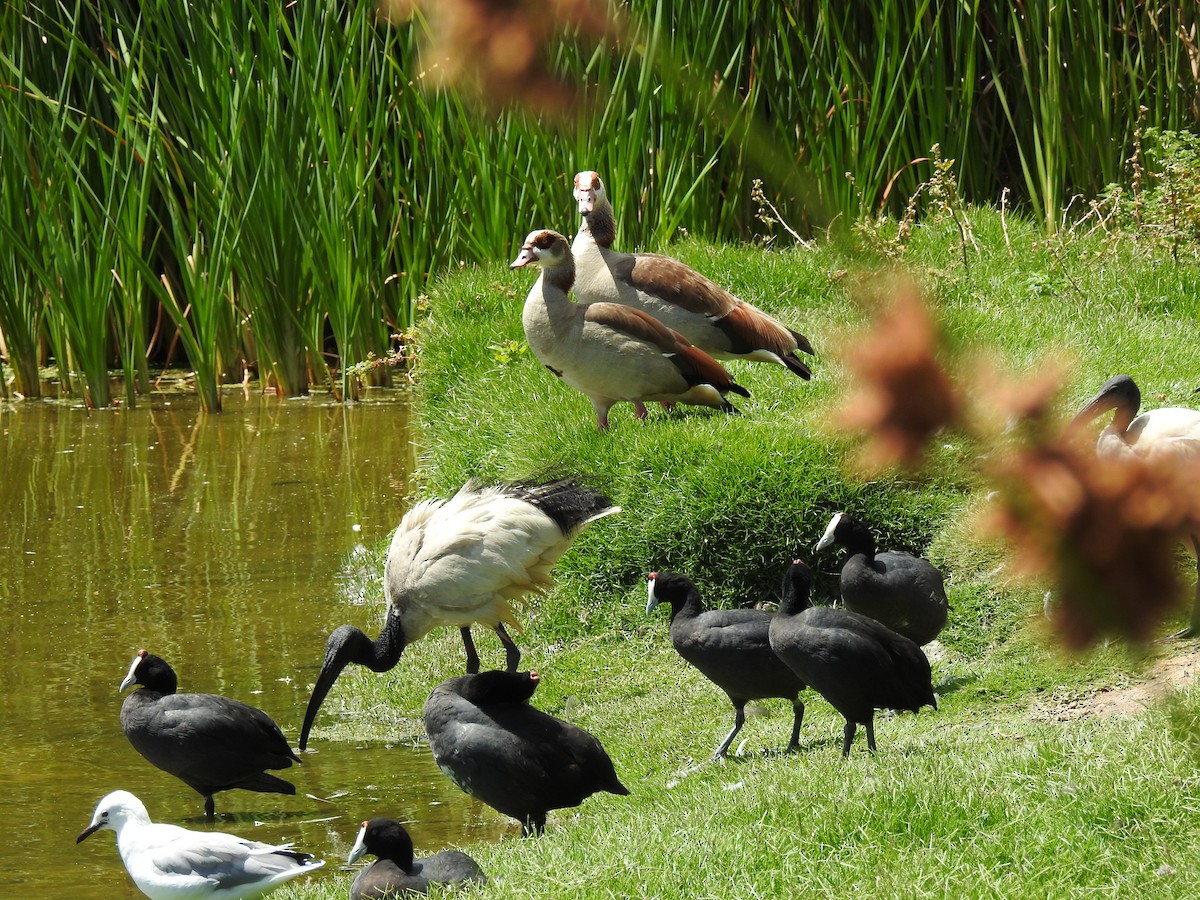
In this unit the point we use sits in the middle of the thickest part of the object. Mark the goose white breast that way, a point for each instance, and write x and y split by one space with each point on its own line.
607 351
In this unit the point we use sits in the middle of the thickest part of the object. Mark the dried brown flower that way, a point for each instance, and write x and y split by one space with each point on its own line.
1103 531
904 396
1003 406
499 48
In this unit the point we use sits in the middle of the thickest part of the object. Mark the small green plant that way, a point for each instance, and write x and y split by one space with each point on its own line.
1160 206
1171 199
509 351
934 200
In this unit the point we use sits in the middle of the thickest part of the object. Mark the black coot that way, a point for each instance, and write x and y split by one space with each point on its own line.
209 742
395 872
513 757
904 592
851 660
731 647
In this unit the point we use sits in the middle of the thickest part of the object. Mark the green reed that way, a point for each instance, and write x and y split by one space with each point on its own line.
311 153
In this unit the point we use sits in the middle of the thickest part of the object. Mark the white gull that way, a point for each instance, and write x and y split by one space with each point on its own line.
167 862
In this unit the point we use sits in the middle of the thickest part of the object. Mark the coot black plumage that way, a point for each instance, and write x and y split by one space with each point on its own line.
851 660
904 592
396 872
517 759
209 742
731 647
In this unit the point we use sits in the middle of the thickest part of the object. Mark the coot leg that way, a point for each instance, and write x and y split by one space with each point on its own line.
533 824
739 719
798 708
849 732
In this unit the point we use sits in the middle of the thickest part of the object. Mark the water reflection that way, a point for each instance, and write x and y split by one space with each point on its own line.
218 542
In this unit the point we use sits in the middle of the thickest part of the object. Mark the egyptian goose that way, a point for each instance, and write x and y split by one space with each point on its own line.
167 862
851 660
703 312
464 561
730 647
608 351
904 592
1170 436
211 743
515 758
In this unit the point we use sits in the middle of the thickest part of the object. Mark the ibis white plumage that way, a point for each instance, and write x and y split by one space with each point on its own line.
1169 436
461 562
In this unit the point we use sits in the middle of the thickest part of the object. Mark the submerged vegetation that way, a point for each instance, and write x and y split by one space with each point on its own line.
265 188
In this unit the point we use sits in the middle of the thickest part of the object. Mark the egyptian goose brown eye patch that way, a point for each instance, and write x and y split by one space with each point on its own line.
607 351
708 316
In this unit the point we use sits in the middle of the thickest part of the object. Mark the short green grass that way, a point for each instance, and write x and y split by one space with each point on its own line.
992 795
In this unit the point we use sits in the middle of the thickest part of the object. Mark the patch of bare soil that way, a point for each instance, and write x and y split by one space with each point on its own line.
1162 678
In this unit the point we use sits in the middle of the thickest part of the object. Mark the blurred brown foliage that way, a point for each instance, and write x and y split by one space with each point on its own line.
500 49
903 396
1104 532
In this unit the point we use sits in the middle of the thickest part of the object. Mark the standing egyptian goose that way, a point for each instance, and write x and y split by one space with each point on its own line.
464 561
852 661
904 592
608 351
681 298
1169 436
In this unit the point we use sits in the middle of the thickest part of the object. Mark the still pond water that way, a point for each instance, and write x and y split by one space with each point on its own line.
225 544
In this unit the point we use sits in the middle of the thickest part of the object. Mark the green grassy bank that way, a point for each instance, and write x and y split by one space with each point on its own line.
1000 793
